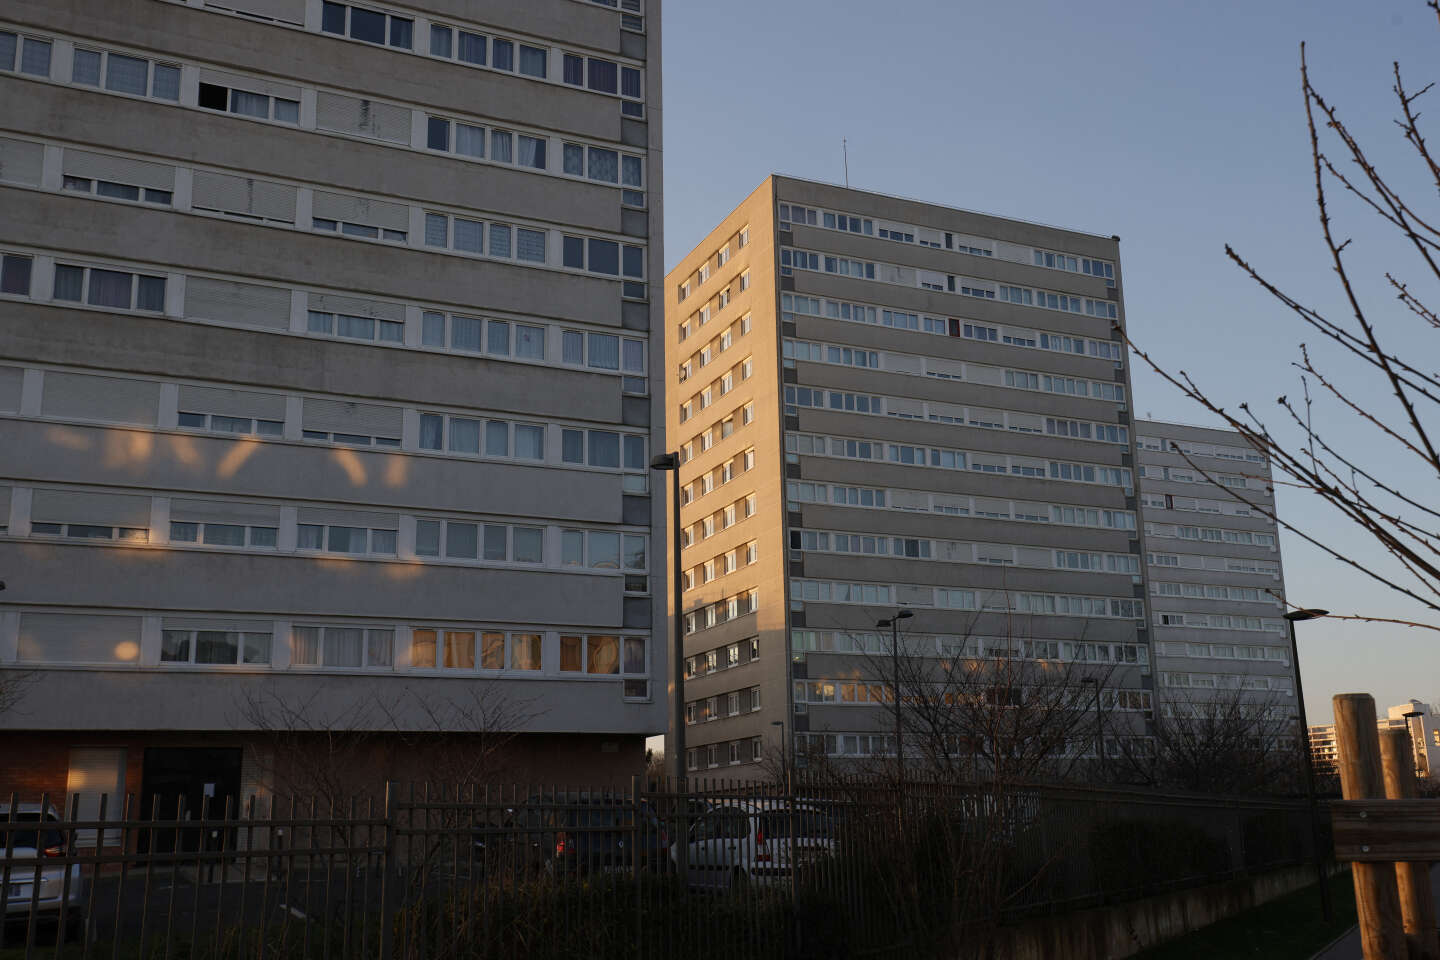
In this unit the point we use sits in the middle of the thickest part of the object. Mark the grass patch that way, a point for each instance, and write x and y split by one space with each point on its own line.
1286 928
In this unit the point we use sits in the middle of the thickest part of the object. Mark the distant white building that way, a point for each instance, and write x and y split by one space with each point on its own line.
1424 728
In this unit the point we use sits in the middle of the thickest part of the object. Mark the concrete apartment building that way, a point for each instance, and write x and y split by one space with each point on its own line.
881 403
325 388
1214 571
1413 715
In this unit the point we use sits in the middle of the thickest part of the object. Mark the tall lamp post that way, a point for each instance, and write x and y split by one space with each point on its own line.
1099 726
671 462
1327 909
784 748
894 624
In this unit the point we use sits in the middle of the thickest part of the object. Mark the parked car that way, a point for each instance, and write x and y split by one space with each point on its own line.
576 833
744 841
30 839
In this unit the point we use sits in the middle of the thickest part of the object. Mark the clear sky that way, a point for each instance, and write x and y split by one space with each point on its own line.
1177 126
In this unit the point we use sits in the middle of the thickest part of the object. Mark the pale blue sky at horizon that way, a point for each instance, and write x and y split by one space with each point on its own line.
1178 127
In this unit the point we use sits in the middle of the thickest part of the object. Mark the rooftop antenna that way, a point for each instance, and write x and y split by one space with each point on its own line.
845 149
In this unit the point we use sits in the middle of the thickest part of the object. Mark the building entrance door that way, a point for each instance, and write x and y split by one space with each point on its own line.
184 778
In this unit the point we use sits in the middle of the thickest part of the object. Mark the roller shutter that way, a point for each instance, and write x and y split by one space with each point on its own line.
339 416
84 397
103 509
232 403
78 638
337 206
21 161
230 302
244 195
98 166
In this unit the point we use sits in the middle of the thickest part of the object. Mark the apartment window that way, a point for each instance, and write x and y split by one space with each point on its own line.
34 54
365 230
223 534
355 328
342 647
117 191
90 531
214 647
245 103
122 74
367 25
468 236
109 288
15 274
342 539
216 423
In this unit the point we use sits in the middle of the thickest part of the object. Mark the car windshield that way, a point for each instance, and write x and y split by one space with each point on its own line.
12 833
809 824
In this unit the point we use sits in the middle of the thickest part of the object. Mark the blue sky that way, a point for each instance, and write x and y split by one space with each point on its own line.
1177 126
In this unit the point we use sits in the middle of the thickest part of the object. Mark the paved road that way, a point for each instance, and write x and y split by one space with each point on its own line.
1348 946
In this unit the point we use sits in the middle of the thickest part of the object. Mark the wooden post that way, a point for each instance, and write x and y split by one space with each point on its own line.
1377 899
1417 906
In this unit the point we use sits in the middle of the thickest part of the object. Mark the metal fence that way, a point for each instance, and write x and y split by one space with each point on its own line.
828 869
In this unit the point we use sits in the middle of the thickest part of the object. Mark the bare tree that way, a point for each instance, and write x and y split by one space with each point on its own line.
14 687
333 753
1387 504
1226 743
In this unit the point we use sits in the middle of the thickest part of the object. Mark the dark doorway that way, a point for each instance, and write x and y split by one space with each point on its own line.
182 779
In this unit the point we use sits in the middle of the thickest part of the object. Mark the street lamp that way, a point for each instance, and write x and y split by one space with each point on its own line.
894 624
1327 910
784 747
1099 726
671 462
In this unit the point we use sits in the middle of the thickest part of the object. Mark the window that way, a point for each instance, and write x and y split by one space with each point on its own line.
89 531
356 328
117 191
258 105
230 647
223 534
468 236
338 647
216 423
367 25
334 538
109 288
15 274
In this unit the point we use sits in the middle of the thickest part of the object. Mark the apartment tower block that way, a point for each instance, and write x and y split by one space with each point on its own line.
325 391
884 404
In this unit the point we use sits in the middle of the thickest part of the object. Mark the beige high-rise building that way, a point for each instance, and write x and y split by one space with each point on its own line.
883 404
325 391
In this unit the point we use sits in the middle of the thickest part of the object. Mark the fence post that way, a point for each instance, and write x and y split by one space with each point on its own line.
1376 897
388 882
1417 908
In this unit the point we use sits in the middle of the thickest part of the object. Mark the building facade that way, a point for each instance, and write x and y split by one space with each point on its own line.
1216 582
325 389
884 404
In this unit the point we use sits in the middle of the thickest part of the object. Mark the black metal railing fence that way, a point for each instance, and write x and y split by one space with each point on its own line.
833 869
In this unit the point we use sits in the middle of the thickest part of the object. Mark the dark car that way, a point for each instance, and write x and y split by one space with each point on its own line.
578 833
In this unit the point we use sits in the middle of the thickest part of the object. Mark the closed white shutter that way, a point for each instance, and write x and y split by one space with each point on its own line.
11 379
98 166
329 303
348 518
78 638
250 84
21 161
337 206
1027 422
103 509
909 500
230 302
908 594
246 195
1034 557
223 511
361 418
903 363
212 623
111 399
980 373
232 403
988 505
953 369
286 11
96 772
935 408
367 118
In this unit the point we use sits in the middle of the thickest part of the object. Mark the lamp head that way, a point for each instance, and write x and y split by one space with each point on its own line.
665 461
1295 616
904 615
